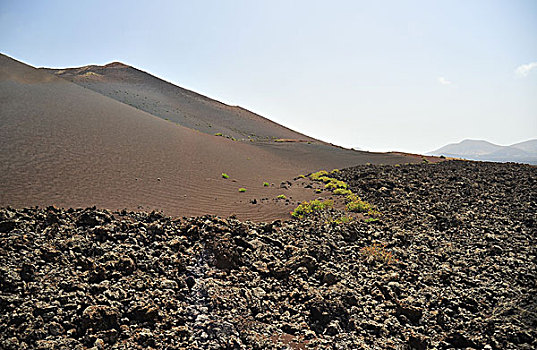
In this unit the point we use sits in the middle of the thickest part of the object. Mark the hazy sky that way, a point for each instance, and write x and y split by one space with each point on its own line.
379 75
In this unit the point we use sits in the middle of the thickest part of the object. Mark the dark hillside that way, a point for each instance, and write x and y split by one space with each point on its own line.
187 108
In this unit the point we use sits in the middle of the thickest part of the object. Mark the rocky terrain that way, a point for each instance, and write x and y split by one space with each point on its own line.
451 263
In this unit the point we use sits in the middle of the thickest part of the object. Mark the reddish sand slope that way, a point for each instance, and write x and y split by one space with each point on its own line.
65 145
167 101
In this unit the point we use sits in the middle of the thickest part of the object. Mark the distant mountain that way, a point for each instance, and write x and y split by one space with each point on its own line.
522 152
528 146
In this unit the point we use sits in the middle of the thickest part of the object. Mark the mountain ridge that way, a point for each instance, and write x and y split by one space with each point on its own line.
482 150
168 101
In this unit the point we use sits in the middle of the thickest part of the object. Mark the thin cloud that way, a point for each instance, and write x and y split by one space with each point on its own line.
444 81
524 70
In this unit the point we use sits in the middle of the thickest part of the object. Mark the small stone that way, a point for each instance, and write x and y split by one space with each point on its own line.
190 281
168 284
99 344
330 278
27 272
100 317
333 328
55 329
261 266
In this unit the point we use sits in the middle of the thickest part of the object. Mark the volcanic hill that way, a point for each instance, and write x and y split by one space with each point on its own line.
116 137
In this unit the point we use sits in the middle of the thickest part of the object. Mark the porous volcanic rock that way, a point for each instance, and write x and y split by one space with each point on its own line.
462 236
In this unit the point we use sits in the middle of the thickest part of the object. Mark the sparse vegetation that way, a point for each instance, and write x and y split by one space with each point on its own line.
307 208
324 179
343 219
342 192
319 174
338 187
355 204
242 189
225 176
358 206
371 220
377 254
331 183
335 184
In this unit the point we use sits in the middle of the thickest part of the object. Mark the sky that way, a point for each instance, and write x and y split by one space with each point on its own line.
380 75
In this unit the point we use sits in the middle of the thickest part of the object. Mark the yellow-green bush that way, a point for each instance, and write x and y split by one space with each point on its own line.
355 204
307 208
317 175
334 184
342 191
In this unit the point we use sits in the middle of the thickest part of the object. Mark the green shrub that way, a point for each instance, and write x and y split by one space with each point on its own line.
351 198
265 184
334 184
358 206
371 220
374 212
343 219
242 189
331 183
317 175
218 134
355 204
282 196
342 192
307 208
325 179
225 176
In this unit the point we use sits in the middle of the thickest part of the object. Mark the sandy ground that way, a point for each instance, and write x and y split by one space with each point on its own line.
65 145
